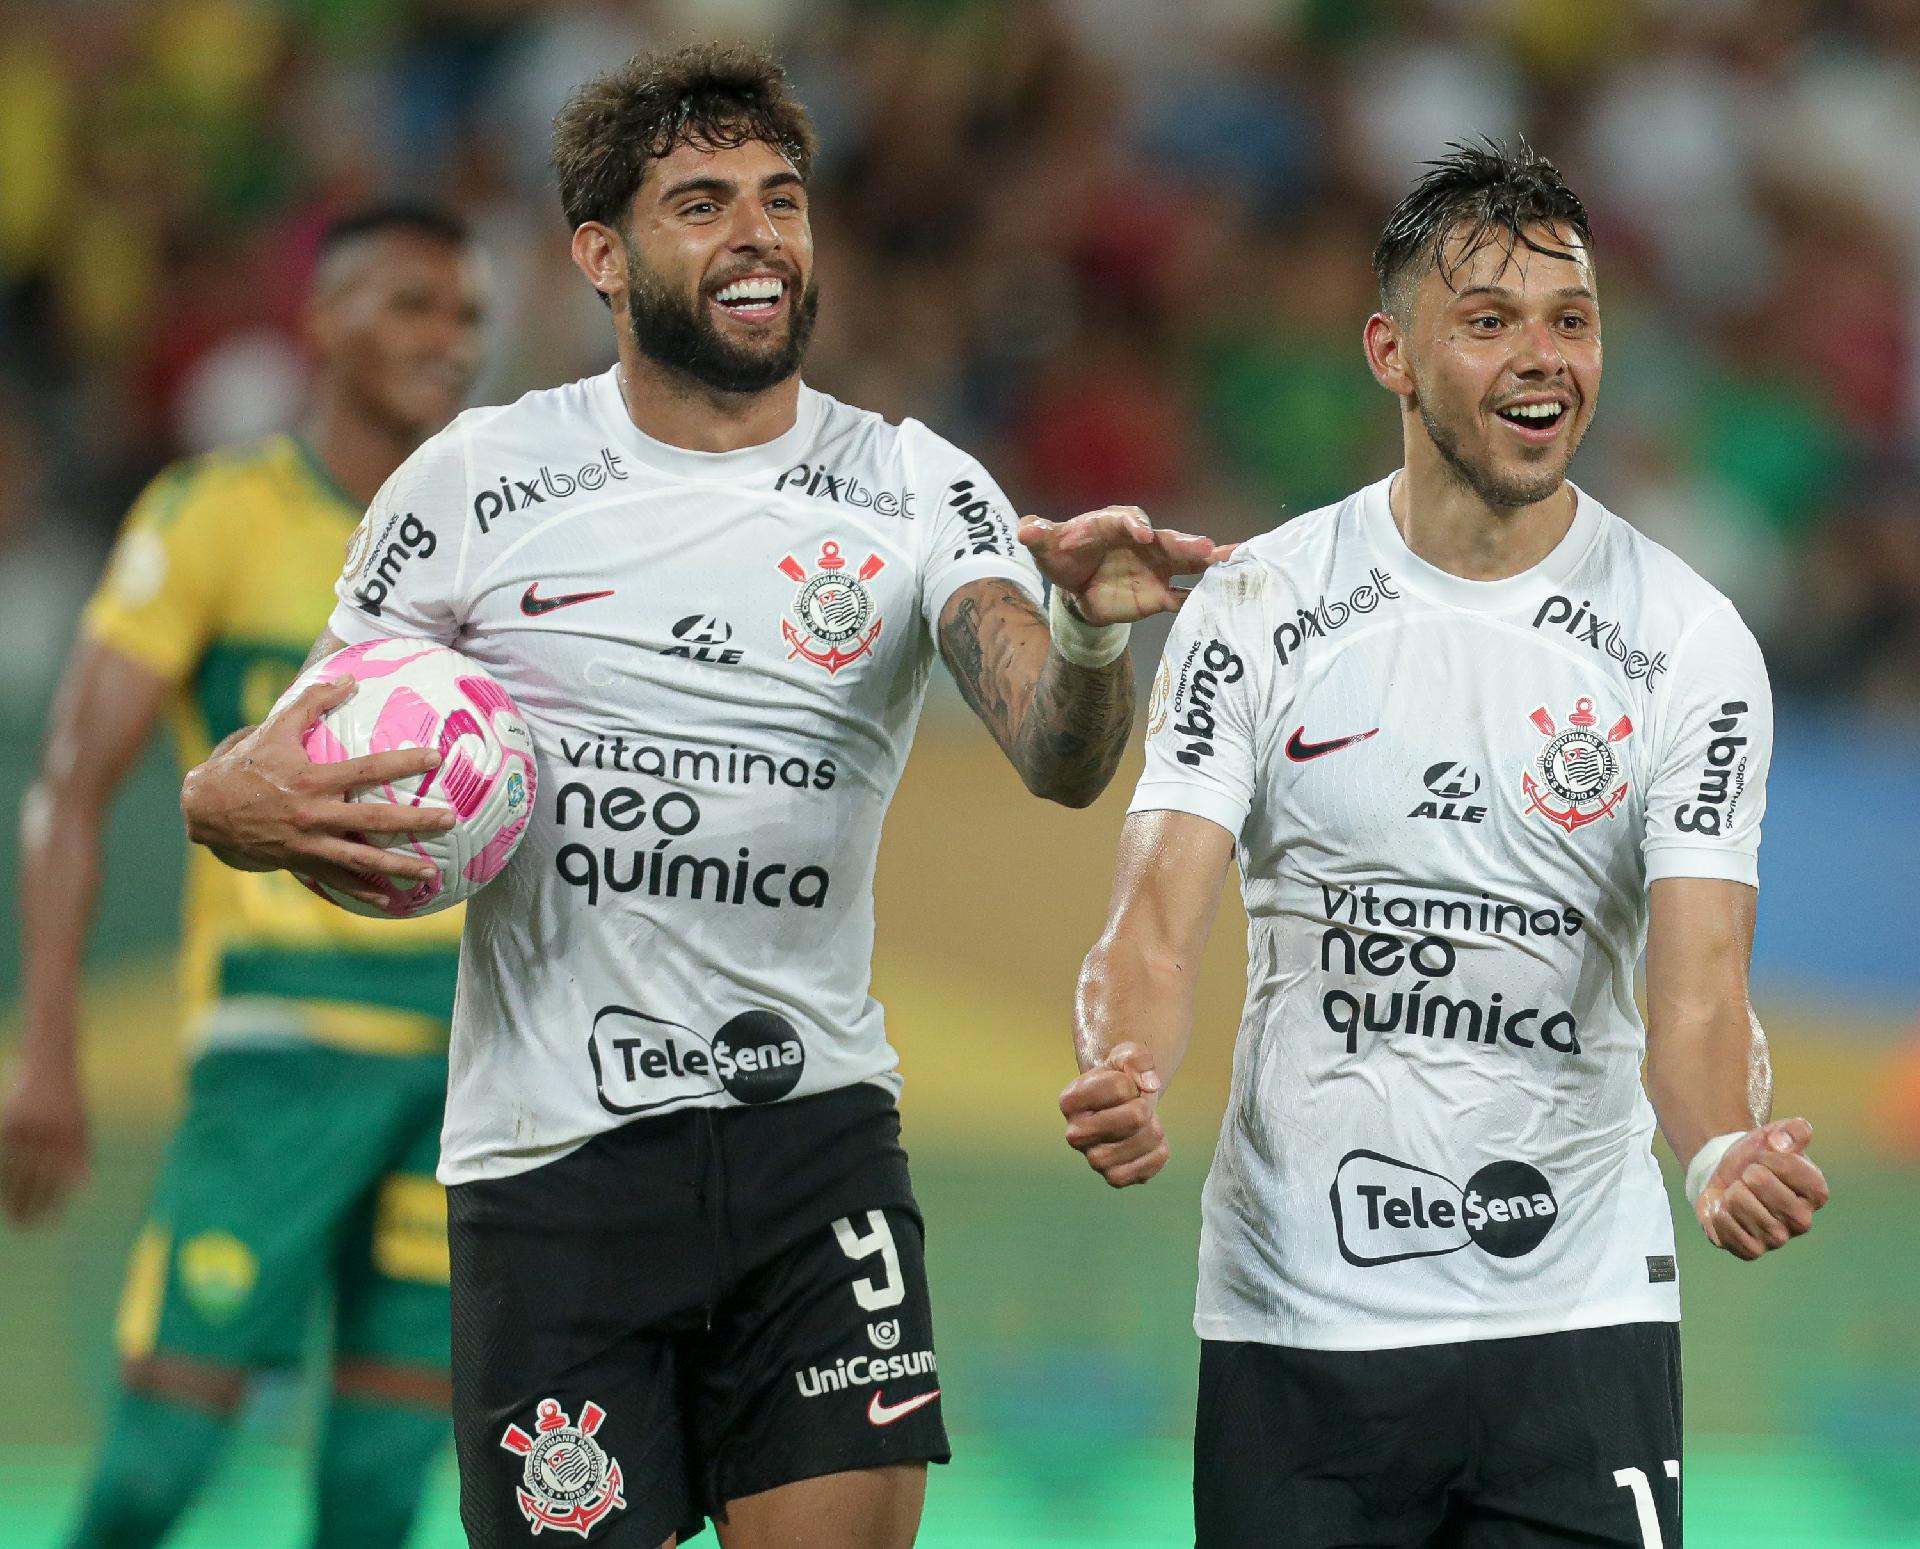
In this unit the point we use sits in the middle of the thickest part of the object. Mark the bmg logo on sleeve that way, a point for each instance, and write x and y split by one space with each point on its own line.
1386 1210
1220 666
387 557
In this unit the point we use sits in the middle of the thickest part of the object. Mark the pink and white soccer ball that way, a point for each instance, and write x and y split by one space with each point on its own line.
419 694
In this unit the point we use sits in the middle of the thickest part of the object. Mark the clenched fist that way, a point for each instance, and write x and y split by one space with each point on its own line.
1111 1119
1764 1192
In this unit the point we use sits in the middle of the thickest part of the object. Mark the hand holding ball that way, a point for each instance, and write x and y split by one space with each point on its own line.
418 694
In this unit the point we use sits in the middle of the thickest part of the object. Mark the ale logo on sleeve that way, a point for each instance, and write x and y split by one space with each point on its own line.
834 623
1580 779
568 1481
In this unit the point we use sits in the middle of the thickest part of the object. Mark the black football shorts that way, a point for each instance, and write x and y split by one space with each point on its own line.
1543 1442
689 1309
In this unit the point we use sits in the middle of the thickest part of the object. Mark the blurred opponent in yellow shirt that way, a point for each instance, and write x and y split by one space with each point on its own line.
221 580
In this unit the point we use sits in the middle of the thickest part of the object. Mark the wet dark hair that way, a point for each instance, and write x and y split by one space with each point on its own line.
375 220
712 95
1494 193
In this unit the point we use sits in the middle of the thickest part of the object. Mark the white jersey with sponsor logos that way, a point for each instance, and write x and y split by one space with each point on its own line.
1450 798
722 657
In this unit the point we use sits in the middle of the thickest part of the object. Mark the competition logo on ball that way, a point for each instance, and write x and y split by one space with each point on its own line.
568 1481
1580 779
833 610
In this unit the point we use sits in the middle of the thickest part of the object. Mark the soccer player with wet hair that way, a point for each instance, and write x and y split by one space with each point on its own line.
1474 743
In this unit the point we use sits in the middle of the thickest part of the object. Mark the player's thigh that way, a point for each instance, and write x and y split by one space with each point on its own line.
1579 1441
822 1364
1318 1448
572 1292
391 1328
252 1198
871 1508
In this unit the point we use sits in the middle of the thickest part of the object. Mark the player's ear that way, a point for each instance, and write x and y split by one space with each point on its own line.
1385 342
600 254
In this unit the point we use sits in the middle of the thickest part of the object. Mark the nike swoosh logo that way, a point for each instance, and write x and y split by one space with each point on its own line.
880 1412
1300 750
534 606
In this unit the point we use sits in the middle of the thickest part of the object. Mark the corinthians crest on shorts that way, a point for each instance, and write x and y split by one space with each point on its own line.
569 1482
1580 778
833 610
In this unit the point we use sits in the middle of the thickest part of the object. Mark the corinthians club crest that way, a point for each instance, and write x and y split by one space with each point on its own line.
569 1482
1580 780
833 609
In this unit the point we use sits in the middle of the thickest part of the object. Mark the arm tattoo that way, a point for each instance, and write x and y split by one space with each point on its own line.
1063 726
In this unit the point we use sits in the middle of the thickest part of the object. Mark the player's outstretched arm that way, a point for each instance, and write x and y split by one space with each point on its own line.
105 712
260 804
1059 701
1133 1007
1750 1181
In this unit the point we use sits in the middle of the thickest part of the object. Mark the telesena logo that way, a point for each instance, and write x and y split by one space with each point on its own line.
642 1062
1386 1210
404 538
516 494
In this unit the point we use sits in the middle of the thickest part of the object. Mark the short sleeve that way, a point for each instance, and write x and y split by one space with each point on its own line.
402 570
160 601
1709 788
970 537
1201 721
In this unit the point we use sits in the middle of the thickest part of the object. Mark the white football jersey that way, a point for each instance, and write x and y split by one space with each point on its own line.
722 657
1450 798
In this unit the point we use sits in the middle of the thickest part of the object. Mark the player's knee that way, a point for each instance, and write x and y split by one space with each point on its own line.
212 1389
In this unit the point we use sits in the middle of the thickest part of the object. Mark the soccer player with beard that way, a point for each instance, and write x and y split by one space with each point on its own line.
303 1165
1474 742
687 1263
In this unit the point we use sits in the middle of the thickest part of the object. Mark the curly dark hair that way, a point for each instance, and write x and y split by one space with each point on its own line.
1495 193
712 95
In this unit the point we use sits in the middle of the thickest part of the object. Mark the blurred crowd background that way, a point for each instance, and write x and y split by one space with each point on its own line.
1118 247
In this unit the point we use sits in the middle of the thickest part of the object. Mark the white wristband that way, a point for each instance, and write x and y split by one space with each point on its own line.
1084 644
1707 1160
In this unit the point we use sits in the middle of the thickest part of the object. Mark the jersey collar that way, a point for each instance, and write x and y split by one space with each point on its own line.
747 462
321 477
1526 589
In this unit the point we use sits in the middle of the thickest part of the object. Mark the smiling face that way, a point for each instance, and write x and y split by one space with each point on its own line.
718 270
1498 359
396 319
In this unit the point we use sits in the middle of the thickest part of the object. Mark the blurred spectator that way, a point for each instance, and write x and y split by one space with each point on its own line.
1121 245
46 571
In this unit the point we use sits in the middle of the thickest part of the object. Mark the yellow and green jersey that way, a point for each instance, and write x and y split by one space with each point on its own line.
220 582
